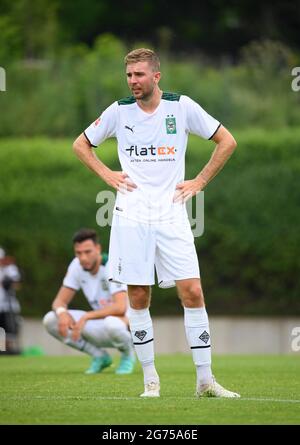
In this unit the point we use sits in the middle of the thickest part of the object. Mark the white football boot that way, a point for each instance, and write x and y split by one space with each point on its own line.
151 390
215 390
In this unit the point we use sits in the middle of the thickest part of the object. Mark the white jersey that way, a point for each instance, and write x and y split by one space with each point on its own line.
96 288
151 149
9 302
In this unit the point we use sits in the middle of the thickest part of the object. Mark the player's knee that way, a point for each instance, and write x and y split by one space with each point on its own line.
192 296
49 321
115 328
139 297
112 324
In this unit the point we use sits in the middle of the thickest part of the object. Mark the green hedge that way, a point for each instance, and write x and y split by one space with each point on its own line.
57 96
249 252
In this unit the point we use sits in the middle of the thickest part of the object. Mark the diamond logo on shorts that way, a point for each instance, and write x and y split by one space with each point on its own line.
204 337
140 335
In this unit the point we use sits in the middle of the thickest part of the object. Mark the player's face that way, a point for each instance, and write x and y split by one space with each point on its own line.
142 80
88 254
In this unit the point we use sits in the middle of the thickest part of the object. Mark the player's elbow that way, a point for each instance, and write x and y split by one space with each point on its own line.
232 144
76 146
120 310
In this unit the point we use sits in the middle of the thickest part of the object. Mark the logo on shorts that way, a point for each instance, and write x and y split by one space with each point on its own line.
140 335
171 124
120 266
204 337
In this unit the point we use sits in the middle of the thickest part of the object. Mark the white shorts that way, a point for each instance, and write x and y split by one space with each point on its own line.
135 249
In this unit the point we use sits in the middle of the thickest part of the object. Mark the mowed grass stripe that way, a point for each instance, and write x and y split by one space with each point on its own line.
54 390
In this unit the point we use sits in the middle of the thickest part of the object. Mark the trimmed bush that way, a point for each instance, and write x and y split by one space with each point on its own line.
248 254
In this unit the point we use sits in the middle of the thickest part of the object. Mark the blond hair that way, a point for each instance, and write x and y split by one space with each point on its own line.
143 55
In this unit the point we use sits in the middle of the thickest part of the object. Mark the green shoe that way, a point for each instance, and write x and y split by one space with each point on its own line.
126 365
98 364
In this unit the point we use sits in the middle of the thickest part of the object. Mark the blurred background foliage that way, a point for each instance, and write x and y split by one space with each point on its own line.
64 65
248 253
62 95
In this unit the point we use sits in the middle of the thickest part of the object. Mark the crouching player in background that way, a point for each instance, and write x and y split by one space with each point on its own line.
106 325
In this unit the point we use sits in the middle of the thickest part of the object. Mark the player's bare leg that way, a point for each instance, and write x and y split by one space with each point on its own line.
142 335
198 336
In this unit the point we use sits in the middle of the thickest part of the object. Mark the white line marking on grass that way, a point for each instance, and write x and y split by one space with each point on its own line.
269 400
84 398
251 399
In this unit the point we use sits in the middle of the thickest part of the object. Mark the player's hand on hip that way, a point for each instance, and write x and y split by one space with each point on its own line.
119 181
65 322
185 190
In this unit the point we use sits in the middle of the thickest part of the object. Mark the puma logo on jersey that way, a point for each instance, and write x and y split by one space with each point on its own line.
130 128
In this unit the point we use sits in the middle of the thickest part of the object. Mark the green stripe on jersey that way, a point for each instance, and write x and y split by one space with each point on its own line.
165 95
127 100
170 96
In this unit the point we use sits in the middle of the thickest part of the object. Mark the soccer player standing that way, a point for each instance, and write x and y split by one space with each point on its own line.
150 228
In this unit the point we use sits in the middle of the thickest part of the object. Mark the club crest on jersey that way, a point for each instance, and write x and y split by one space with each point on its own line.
171 124
104 284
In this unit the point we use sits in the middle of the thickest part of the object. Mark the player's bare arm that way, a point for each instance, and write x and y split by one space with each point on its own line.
116 179
61 301
117 308
226 144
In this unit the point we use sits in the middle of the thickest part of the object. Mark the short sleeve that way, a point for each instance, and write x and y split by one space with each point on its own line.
116 287
198 121
104 127
13 272
72 278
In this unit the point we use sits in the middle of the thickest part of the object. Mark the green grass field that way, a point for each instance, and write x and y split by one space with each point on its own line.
54 390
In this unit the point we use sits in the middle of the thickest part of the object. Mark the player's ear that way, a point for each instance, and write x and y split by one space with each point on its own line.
157 76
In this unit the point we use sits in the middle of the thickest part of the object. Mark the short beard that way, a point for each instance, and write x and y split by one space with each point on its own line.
90 268
146 96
